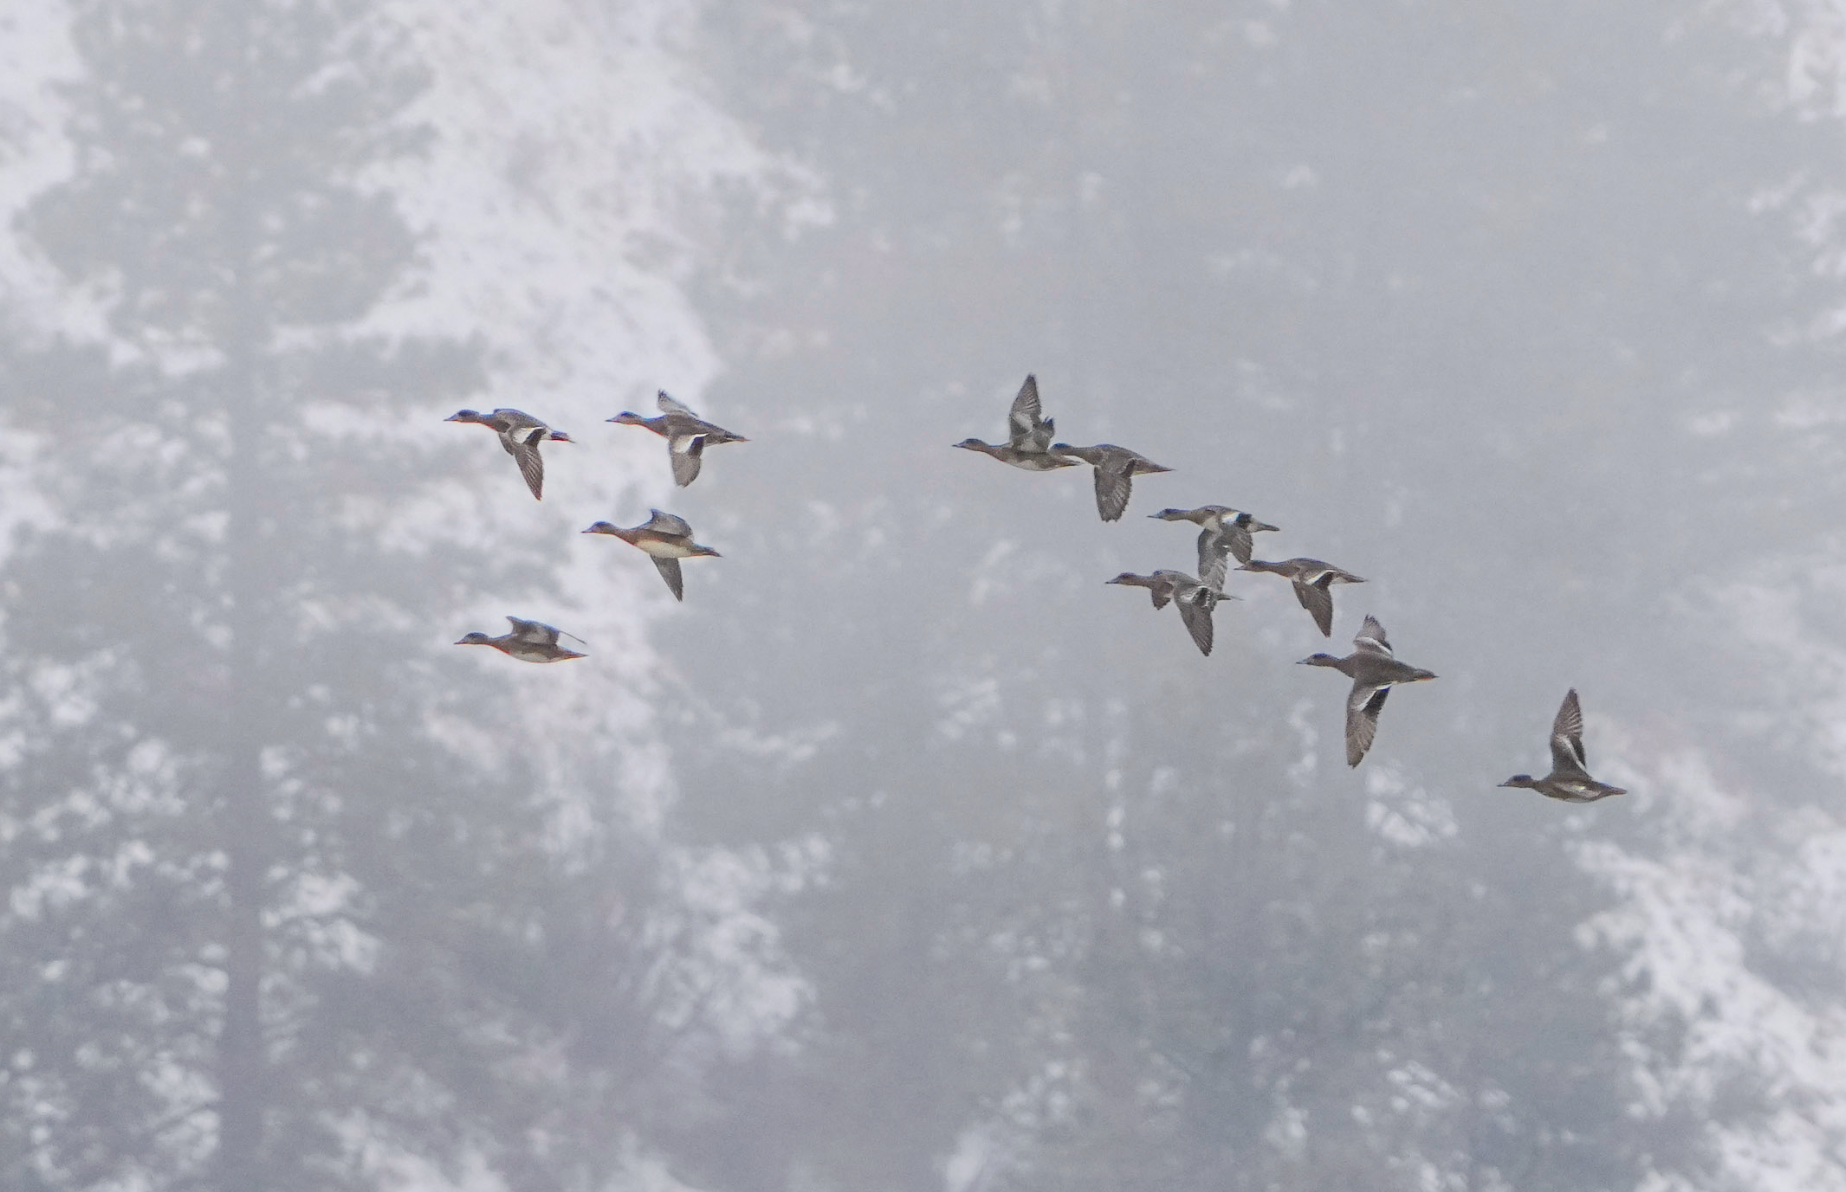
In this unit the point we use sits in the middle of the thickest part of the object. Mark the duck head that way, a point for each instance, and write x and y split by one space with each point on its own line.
476 639
466 416
628 418
973 445
1251 524
1321 660
603 527
1524 780
700 551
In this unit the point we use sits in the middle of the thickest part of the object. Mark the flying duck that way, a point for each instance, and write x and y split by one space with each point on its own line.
1374 670
1195 600
666 539
520 434
529 641
687 435
1313 582
1226 532
1115 469
1028 435
1568 779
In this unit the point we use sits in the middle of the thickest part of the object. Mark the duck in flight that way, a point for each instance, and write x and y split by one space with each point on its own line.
1196 601
1374 670
1028 435
529 641
520 434
1568 780
1116 468
1313 582
1226 531
666 539
687 435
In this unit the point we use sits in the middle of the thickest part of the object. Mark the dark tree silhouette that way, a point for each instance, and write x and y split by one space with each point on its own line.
284 903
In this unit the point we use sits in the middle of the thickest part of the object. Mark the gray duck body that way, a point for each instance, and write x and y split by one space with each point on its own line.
666 539
520 433
1313 581
1374 670
1569 780
1196 601
1225 534
1115 468
1028 435
528 641
687 435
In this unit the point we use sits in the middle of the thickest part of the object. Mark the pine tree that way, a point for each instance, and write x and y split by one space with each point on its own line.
282 908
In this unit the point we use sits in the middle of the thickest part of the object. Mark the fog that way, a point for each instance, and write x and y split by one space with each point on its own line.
905 853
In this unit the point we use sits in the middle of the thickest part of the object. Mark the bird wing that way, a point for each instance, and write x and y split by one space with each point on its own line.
524 447
667 523
534 631
1195 611
1162 586
669 571
1214 547
669 406
1025 420
1567 754
686 452
1372 640
1319 603
1113 484
1362 709
506 418
1237 541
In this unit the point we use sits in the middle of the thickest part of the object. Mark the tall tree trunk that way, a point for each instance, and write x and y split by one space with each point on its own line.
242 1059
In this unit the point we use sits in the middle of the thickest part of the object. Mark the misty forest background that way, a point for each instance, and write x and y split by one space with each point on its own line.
905 855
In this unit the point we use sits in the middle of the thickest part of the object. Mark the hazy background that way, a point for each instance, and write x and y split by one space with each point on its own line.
904 854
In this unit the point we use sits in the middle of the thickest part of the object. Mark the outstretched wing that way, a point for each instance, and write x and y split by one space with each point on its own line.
524 447
1362 708
667 523
1162 587
1214 549
1113 484
669 571
1237 541
1195 611
686 452
669 406
1567 754
534 631
1318 600
1025 418
1371 639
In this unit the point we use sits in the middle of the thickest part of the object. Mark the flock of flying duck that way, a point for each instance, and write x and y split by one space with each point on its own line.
1225 533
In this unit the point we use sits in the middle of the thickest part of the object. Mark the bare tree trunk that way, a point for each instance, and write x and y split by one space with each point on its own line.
242 1059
